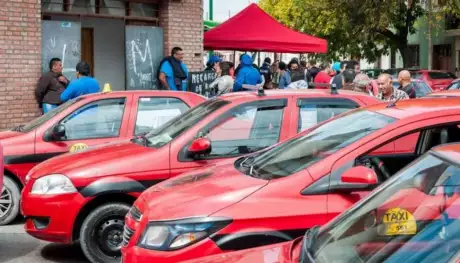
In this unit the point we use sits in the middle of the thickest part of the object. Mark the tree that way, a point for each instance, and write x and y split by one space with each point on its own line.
356 28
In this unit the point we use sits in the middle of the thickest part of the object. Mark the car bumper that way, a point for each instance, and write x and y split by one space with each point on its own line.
51 218
203 248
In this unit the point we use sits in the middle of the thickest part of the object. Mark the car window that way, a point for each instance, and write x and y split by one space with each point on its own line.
439 75
245 129
421 89
48 116
152 112
314 111
455 85
98 119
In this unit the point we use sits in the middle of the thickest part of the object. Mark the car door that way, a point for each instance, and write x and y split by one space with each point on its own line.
242 129
95 122
339 201
151 112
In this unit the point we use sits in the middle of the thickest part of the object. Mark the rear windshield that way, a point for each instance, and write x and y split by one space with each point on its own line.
439 75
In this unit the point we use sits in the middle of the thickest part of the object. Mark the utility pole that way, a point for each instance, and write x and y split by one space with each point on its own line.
211 17
430 44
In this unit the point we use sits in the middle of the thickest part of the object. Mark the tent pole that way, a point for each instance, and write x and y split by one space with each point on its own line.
258 59
234 57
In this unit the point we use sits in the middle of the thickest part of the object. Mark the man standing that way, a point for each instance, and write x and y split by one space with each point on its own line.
405 82
50 86
84 84
173 72
248 74
323 77
266 72
338 80
386 90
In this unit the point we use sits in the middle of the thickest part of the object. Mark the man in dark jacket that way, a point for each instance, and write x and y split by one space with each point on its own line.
173 72
266 72
405 81
50 86
312 71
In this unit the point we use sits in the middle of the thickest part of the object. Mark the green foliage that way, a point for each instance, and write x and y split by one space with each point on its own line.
354 28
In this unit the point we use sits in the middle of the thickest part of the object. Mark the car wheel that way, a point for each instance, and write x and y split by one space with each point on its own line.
101 233
10 196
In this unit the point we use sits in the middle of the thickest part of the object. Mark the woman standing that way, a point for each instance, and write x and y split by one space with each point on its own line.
224 81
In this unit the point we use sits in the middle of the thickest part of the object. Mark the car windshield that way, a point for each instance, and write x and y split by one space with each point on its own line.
421 89
300 152
176 126
412 218
45 117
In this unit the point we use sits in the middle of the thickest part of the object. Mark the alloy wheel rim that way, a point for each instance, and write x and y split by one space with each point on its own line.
6 201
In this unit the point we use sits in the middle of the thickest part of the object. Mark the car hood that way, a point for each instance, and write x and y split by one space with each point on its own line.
201 192
286 252
111 159
9 134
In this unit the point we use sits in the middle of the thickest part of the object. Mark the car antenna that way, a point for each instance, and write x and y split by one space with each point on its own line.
334 89
261 91
393 103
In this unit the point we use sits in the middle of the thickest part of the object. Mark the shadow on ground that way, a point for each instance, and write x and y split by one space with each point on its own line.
63 253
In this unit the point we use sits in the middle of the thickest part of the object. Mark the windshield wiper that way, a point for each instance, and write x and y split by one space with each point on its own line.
307 243
19 128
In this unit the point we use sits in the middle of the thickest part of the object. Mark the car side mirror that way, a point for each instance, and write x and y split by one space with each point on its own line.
57 133
360 175
199 146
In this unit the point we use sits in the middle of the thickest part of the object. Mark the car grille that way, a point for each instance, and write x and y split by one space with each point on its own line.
127 234
135 213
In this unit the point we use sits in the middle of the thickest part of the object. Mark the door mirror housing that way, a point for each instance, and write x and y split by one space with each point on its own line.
200 146
360 175
56 133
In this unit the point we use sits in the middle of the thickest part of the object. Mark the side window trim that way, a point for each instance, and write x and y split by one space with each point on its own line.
119 99
269 103
153 97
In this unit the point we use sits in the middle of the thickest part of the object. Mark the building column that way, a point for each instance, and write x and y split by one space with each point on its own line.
182 22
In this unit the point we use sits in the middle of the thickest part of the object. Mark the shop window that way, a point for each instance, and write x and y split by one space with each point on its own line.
113 7
52 5
144 10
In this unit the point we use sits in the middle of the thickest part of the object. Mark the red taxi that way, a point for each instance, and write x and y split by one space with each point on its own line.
275 195
413 217
97 187
77 124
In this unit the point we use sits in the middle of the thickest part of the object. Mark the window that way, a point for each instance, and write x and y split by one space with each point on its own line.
153 112
414 61
421 89
439 75
246 128
455 85
314 111
99 119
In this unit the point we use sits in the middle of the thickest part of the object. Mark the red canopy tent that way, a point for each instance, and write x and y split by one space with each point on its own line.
254 30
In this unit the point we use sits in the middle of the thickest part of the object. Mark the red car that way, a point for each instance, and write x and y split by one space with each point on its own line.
386 226
276 194
77 124
97 187
436 79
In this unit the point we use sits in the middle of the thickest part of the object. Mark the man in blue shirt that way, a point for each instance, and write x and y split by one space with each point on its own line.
173 72
247 74
84 84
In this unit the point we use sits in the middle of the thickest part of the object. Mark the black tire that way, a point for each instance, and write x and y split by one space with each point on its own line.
10 193
100 232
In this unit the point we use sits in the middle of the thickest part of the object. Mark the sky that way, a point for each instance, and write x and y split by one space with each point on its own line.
225 8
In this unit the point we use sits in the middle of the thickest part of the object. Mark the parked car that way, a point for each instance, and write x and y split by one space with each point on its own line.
97 187
436 79
455 84
421 87
386 226
275 195
79 123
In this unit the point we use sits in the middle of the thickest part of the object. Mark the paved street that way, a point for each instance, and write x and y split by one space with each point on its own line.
17 247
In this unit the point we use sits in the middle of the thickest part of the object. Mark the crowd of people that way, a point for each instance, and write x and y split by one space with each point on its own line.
345 75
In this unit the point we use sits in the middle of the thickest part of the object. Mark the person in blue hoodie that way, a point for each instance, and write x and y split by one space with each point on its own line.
247 74
84 84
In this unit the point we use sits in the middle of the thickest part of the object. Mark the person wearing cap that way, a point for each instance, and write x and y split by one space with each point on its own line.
84 84
362 83
338 80
212 62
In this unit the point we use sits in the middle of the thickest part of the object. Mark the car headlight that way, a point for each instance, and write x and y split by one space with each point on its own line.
53 184
173 235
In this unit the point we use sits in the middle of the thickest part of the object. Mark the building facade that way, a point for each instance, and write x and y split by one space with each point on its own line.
122 40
